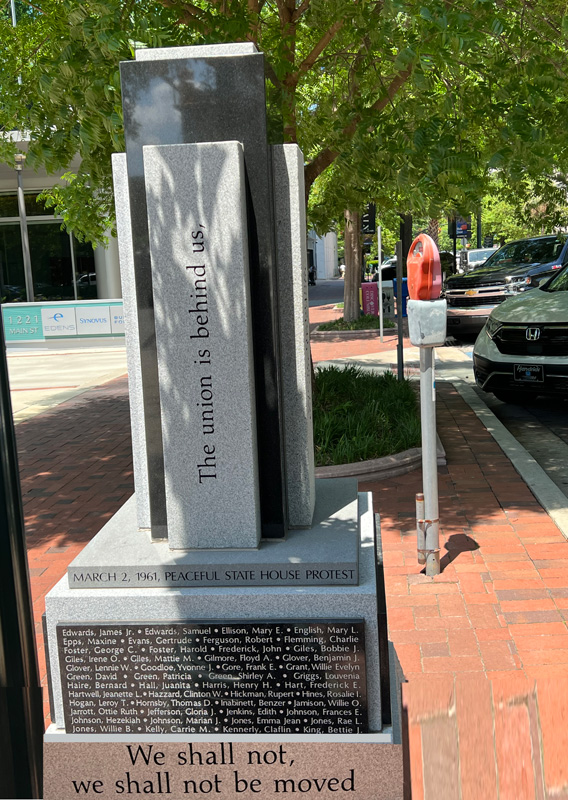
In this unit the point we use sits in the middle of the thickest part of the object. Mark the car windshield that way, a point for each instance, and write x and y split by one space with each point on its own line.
559 283
528 251
480 255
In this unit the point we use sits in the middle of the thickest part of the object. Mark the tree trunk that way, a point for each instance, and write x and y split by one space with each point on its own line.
433 228
352 265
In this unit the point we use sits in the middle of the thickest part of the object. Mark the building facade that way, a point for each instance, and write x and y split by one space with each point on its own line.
63 268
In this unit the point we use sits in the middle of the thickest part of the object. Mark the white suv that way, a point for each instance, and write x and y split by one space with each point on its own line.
523 348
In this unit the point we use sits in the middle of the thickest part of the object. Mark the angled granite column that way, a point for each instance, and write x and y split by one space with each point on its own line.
195 195
292 260
128 280
210 94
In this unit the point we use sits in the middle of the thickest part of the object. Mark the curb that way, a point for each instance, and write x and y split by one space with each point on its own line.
386 467
551 498
368 333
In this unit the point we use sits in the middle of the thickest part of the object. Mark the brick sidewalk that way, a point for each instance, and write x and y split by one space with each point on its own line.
75 473
497 610
340 345
499 606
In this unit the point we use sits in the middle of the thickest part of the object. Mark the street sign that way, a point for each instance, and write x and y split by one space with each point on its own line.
459 227
368 220
463 227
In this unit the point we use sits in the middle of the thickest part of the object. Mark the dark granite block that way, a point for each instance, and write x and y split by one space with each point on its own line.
209 100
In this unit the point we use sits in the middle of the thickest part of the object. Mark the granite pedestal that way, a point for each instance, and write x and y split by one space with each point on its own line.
303 602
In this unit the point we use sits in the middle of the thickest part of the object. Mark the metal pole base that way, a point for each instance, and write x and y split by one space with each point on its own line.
433 563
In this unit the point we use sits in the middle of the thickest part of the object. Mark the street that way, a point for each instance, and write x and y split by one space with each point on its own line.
326 292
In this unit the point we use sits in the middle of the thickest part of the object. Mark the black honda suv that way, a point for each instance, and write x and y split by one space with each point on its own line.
513 268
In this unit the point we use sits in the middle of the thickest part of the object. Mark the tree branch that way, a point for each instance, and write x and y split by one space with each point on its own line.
309 61
270 74
31 5
283 12
189 13
302 8
328 155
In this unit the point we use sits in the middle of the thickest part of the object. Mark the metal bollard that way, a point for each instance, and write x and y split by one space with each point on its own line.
420 533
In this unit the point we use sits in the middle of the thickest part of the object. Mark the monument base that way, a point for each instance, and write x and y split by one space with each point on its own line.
284 659
189 768
327 554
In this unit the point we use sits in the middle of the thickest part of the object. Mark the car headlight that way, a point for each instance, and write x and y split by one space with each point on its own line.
515 285
492 326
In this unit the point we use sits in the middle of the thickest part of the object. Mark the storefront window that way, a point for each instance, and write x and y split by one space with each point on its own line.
34 207
50 253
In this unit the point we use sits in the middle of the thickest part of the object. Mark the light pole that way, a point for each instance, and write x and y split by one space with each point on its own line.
20 159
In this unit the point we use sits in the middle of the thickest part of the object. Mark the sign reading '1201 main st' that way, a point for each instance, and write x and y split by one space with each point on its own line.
300 676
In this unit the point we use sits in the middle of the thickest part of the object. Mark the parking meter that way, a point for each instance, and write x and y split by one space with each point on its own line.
423 269
427 330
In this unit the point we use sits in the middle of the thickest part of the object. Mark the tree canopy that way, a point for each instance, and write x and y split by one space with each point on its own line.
412 104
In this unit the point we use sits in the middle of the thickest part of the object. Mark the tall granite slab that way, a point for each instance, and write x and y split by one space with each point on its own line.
292 260
209 99
133 361
196 202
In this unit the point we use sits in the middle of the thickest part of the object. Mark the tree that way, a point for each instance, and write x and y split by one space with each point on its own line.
407 101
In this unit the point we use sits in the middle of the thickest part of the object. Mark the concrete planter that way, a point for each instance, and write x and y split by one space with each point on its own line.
381 468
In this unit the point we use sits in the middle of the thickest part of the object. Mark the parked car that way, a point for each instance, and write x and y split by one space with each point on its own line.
522 350
514 268
388 270
471 259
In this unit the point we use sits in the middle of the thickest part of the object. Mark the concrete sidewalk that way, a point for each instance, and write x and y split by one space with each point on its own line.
496 613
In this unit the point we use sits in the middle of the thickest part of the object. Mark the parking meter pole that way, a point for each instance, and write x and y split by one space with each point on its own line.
381 311
431 538
399 350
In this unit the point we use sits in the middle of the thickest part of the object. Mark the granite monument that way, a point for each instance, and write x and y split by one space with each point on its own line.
234 596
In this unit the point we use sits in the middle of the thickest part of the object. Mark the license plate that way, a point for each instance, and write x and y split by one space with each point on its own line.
529 373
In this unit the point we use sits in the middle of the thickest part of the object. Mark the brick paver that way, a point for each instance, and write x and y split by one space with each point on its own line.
341 345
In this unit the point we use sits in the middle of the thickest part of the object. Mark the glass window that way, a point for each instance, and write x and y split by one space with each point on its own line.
50 253
529 251
12 280
559 283
34 207
85 266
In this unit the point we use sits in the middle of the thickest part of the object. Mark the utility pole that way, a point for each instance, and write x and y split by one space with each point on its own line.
399 346
20 159
380 286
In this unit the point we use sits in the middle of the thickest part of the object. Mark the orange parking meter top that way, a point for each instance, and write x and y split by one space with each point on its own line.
424 271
